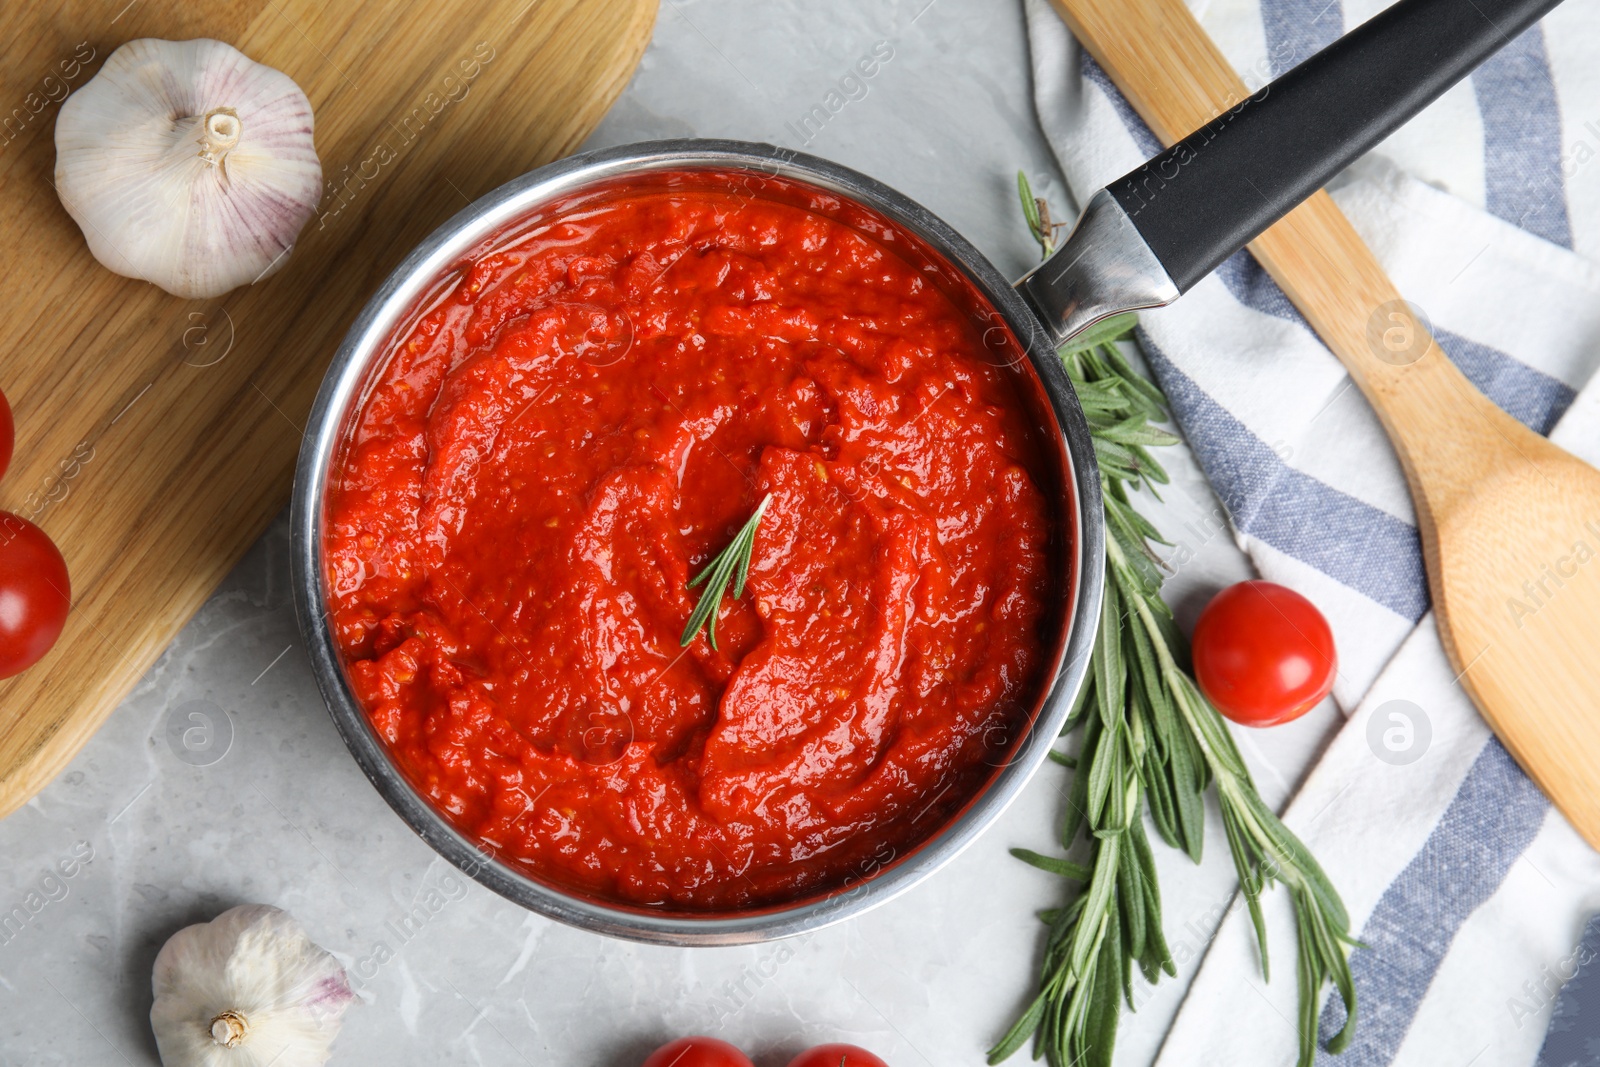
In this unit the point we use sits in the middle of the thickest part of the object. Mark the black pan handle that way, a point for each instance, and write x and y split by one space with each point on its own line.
1211 193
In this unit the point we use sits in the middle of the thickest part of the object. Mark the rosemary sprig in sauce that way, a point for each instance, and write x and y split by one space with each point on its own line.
1151 743
732 563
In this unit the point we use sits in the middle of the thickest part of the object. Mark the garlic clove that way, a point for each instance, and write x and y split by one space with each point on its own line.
187 164
247 989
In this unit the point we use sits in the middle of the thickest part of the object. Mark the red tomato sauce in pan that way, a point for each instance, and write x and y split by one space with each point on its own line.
563 441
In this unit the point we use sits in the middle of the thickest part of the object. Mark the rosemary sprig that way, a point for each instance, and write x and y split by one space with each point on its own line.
732 562
1037 211
1151 743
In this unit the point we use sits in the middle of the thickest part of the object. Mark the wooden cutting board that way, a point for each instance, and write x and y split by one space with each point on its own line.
156 436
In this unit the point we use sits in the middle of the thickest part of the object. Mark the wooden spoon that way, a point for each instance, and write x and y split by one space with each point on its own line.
1510 523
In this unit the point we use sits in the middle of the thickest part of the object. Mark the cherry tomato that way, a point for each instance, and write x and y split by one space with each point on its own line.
8 434
836 1056
34 594
1263 654
697 1052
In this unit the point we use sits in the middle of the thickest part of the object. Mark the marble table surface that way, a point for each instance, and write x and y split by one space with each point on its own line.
277 812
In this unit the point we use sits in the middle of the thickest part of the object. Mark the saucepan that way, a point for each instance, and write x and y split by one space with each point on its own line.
1139 243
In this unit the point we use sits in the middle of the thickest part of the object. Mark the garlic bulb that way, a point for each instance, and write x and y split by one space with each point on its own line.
247 989
187 164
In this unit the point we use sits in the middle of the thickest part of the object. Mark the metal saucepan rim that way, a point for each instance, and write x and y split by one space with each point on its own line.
366 340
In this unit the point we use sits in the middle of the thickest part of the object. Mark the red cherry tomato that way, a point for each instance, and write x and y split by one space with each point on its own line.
697 1052
1263 654
8 434
34 594
836 1056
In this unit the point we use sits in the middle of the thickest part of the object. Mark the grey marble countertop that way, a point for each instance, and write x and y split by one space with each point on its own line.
277 811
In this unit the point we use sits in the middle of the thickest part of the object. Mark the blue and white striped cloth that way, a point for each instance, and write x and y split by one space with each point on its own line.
1470 892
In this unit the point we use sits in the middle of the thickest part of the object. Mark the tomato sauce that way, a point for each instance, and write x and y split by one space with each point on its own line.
563 441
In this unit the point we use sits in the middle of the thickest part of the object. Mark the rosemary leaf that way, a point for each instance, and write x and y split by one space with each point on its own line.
733 563
1103 332
1076 871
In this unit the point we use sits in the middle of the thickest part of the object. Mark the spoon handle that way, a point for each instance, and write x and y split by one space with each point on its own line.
1175 77
1212 192
1238 161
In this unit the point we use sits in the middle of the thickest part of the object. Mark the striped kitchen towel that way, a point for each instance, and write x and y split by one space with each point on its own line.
1469 891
